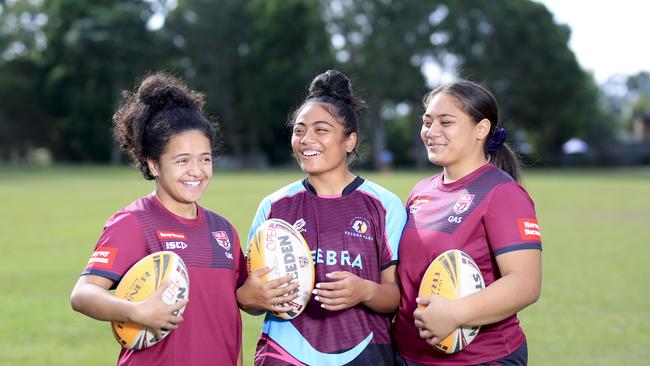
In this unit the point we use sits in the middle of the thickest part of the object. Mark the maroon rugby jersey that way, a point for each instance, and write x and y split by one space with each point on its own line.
483 214
357 232
210 333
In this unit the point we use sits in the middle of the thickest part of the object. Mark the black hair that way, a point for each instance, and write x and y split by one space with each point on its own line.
333 90
479 103
161 107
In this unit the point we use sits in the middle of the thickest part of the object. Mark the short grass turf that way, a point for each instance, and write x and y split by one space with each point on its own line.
594 308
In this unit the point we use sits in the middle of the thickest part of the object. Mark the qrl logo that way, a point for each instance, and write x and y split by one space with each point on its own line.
463 203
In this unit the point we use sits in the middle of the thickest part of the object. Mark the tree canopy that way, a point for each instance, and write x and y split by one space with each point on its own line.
64 64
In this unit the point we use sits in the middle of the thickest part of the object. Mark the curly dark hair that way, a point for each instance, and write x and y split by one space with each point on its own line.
161 107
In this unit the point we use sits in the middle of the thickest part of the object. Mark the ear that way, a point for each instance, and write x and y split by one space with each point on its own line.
153 167
483 129
351 142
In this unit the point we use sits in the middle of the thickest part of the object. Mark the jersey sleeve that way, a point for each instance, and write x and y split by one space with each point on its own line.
119 247
241 271
510 221
395 221
262 214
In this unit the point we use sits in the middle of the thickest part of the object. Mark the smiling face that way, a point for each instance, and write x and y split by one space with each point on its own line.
451 138
183 171
319 142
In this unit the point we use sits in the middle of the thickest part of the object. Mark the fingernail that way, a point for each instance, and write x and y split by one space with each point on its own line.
315 292
318 285
317 298
322 306
417 299
328 275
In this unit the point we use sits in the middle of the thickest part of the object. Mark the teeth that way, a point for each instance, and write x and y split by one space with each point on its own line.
193 184
310 153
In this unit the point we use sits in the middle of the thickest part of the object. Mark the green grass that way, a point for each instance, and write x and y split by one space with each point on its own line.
594 309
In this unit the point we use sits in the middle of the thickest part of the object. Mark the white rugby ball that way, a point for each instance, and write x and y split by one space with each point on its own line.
277 245
142 280
452 275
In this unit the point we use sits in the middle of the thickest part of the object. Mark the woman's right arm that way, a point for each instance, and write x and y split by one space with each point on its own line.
256 295
90 296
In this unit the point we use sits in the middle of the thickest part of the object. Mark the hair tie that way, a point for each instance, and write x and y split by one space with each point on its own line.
498 138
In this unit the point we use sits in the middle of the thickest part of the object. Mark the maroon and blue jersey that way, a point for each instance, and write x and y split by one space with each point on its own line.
484 214
357 232
211 329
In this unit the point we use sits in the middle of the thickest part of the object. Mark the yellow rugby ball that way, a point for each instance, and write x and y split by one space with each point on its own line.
142 280
278 245
452 275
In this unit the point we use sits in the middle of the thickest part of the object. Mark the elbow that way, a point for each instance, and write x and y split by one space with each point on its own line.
534 294
75 301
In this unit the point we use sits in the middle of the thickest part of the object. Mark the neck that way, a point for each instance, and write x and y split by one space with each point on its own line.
186 210
331 184
454 172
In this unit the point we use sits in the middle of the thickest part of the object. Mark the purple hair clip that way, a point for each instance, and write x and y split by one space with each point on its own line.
498 138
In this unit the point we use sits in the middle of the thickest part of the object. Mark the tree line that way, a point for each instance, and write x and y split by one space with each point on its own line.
64 64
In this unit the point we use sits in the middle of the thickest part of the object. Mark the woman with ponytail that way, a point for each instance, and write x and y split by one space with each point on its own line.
352 227
478 206
170 140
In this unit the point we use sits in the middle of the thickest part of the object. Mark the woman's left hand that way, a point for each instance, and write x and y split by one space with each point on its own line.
345 291
437 320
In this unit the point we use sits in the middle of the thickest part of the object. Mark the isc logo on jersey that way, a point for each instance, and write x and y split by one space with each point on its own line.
417 202
172 240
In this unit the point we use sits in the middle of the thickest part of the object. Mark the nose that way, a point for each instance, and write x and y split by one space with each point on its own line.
194 168
306 137
432 131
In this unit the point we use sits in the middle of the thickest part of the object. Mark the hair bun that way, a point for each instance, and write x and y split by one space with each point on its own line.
333 83
163 92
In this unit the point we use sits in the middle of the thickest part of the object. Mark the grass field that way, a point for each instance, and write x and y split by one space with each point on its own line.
594 309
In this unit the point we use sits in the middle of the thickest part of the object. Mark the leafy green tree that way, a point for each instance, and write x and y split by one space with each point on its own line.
253 60
95 50
379 43
517 49
288 48
23 121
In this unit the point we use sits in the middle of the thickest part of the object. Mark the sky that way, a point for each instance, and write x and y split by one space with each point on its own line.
608 37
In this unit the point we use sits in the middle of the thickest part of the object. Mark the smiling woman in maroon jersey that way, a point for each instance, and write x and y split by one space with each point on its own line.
352 227
476 205
168 138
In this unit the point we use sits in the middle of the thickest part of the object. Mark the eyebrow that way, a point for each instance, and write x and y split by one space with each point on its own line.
188 154
439 115
313 123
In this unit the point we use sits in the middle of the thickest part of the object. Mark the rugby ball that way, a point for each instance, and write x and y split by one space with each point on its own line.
277 245
452 275
142 280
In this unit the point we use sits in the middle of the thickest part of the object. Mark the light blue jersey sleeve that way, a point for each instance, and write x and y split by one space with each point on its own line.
395 214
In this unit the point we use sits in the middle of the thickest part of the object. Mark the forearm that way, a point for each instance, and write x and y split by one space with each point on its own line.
246 303
503 298
382 297
99 304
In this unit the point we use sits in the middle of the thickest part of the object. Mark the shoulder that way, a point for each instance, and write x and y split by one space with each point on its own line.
379 193
427 183
214 217
287 191
510 192
128 216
